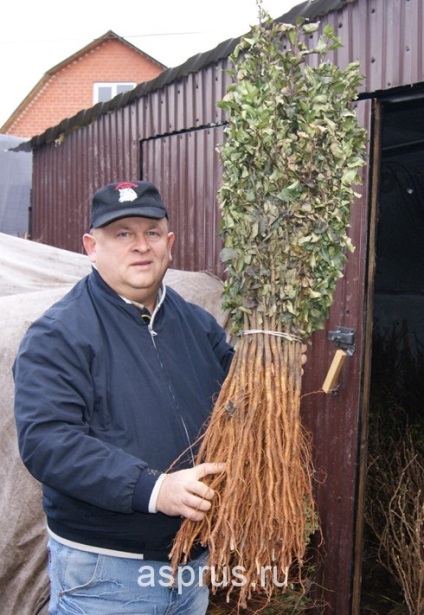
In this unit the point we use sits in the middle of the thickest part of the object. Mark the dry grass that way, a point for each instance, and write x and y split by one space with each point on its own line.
395 503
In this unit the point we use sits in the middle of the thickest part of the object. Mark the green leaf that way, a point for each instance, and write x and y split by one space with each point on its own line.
291 155
227 254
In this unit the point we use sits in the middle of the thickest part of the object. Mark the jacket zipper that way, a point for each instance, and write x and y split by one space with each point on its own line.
152 336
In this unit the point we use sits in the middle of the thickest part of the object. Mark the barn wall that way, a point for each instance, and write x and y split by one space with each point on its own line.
334 420
186 167
385 35
69 169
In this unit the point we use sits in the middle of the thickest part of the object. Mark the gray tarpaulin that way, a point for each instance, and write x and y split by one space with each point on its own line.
15 186
32 277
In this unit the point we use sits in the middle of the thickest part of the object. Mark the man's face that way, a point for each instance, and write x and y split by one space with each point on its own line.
132 256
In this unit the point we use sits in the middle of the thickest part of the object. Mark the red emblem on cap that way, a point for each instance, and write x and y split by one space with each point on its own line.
124 185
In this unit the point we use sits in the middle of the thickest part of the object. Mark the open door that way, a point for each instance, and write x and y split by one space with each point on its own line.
392 439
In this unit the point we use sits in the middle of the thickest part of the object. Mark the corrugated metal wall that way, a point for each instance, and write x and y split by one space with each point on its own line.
186 166
386 35
170 136
69 169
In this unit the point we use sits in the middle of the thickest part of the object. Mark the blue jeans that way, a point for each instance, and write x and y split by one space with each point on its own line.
85 583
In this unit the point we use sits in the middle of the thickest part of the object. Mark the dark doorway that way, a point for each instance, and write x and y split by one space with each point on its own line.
396 411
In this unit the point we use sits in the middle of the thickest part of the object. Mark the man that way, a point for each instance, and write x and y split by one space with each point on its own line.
113 385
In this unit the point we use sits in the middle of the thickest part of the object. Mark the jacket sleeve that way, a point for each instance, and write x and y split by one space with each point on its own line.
222 349
54 396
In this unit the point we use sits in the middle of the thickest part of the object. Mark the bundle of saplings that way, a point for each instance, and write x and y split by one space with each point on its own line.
292 152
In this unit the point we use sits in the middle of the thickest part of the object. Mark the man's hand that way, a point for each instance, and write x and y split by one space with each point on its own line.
183 494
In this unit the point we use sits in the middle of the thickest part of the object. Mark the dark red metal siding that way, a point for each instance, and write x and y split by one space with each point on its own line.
185 104
186 169
67 171
395 43
334 420
385 36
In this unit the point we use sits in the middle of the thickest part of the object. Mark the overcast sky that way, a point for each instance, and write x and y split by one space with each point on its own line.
37 35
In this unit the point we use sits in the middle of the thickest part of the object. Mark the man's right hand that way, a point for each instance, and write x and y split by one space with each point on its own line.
184 494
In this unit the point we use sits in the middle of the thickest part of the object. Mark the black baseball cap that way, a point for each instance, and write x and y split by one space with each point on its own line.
126 199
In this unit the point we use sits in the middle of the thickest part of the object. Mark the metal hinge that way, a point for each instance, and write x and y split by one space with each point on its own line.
343 338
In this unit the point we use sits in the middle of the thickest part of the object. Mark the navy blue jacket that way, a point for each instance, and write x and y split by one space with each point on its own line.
103 405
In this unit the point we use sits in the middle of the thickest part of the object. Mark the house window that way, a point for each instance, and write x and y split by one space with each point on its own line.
106 91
